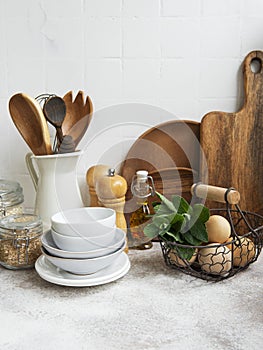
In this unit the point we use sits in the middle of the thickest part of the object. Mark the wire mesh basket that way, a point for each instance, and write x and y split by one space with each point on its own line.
214 261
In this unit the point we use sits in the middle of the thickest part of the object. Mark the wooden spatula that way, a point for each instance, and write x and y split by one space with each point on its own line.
233 142
31 123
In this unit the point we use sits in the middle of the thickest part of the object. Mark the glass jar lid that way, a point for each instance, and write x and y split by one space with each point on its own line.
21 224
11 193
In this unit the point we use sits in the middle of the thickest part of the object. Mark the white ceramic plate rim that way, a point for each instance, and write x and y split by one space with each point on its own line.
49 272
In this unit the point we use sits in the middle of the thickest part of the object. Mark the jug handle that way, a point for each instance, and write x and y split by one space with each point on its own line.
32 171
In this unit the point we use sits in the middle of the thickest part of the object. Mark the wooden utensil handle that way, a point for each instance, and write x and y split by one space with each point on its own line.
214 193
59 134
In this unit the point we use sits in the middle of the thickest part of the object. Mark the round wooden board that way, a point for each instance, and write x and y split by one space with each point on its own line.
173 144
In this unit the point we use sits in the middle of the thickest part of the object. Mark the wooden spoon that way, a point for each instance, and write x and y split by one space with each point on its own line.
55 110
31 123
78 116
67 145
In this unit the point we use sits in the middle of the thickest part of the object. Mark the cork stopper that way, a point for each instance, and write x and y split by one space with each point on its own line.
142 175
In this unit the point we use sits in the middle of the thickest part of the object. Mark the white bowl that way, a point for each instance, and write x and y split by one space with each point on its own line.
83 244
86 222
49 244
83 266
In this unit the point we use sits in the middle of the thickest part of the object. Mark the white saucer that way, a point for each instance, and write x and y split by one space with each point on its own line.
53 274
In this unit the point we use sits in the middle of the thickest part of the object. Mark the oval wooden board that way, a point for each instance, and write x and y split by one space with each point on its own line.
171 144
171 153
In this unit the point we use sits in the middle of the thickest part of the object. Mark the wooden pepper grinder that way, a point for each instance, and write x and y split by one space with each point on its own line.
111 190
92 176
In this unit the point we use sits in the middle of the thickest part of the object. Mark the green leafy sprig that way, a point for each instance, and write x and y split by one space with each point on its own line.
177 221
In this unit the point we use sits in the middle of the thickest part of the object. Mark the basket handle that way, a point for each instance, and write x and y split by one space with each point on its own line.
214 193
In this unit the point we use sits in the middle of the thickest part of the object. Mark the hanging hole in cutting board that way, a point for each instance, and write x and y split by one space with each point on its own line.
255 65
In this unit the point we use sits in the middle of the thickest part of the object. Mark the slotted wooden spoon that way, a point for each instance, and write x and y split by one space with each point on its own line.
78 116
30 121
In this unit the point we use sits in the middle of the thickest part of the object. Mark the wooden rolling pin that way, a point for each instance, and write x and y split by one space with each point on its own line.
214 193
93 174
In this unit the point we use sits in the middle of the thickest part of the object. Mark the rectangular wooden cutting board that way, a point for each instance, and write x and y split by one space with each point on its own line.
232 143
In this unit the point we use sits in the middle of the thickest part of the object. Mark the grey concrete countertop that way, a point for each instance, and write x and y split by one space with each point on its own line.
152 307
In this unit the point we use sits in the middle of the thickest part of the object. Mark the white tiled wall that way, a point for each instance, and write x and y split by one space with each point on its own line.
154 60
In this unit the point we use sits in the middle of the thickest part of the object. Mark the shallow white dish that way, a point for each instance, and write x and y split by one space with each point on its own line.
83 266
85 222
49 244
53 274
81 244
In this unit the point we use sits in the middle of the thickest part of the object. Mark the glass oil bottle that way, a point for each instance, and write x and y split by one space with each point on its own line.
142 187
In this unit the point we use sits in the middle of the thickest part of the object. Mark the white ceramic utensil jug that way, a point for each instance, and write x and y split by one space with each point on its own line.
55 182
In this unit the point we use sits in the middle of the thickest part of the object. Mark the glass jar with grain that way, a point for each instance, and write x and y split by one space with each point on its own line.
11 198
20 240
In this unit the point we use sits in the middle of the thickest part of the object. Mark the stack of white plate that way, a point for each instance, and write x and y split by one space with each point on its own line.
83 248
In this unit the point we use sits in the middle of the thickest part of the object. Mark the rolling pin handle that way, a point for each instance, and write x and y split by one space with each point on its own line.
214 193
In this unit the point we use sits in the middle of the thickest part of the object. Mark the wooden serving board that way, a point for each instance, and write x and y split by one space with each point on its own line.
172 181
232 143
170 152
171 144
